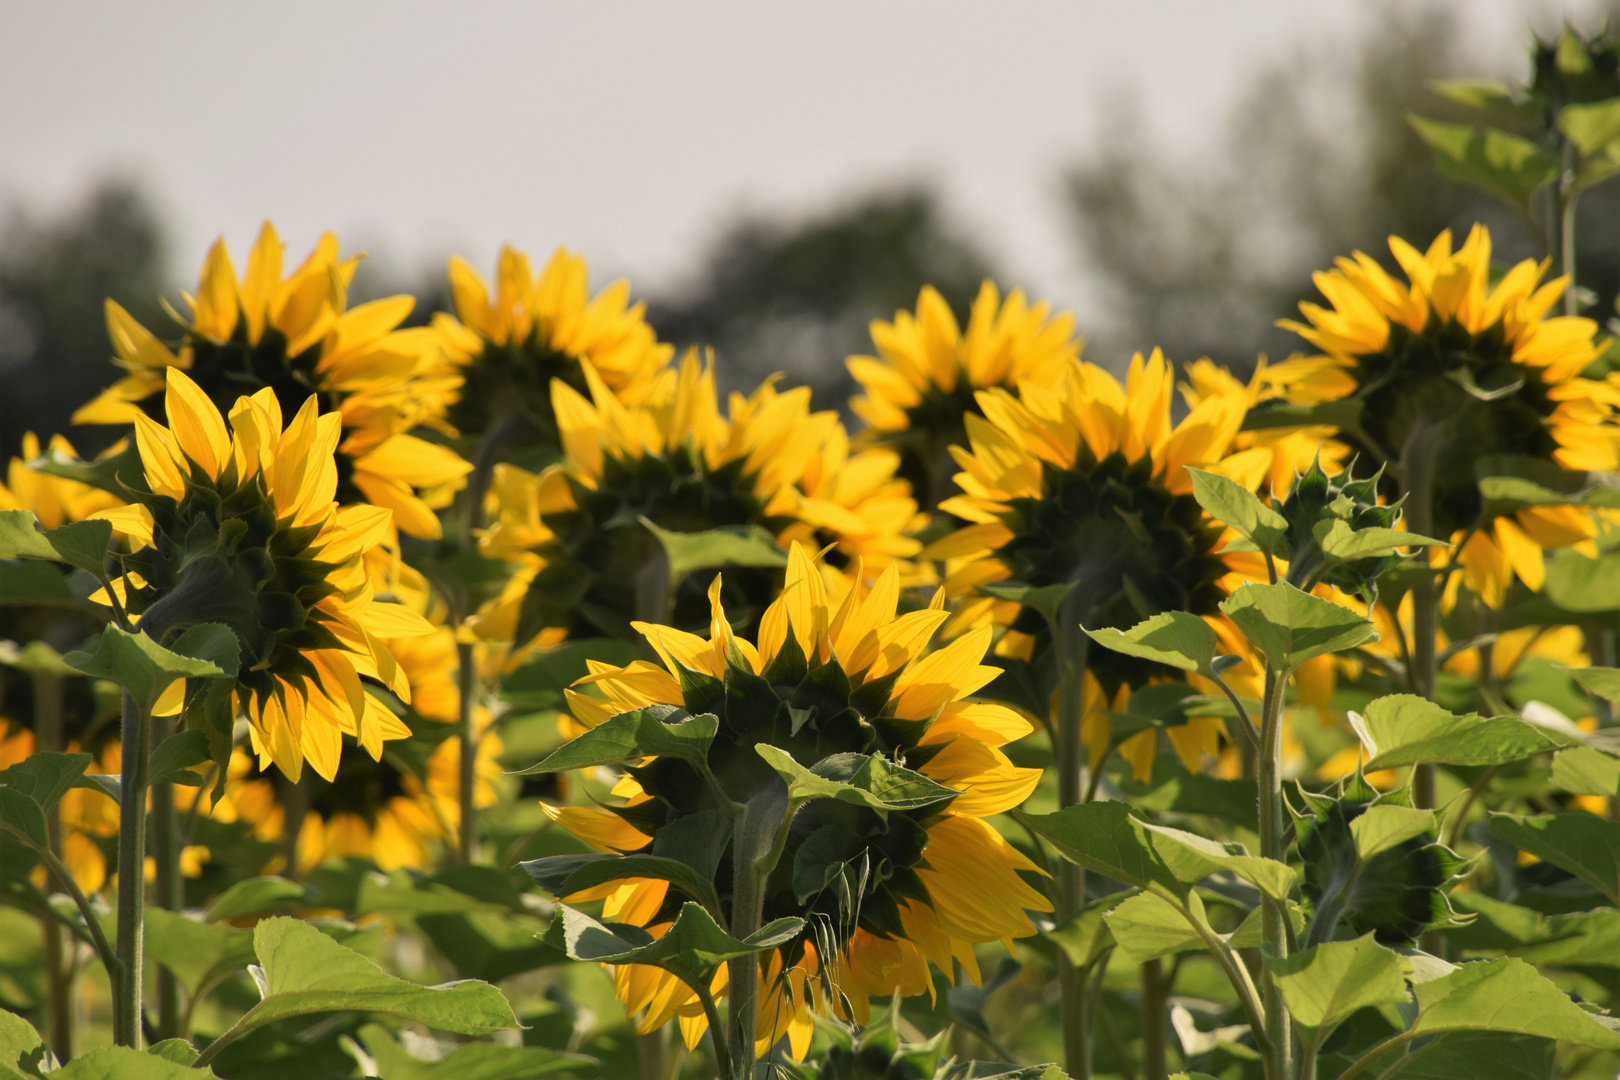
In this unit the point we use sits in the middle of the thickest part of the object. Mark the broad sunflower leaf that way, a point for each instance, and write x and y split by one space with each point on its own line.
172 759
255 896
1385 826
36 658
662 732
1173 637
1602 681
1580 770
1192 858
1588 586
17 1037
1510 482
1469 1055
1579 939
562 875
115 473
31 787
1046 599
28 583
22 538
692 950
302 971
1230 502
1475 93
869 780
1591 127
123 1063
140 665
1404 729
1085 935
468 1061
1103 837
1507 995
1147 927
1495 162
732 545
82 544
540 682
1322 986
1344 544
1585 845
196 952
490 945
1277 413
1291 626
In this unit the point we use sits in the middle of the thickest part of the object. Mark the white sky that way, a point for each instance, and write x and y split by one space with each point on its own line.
627 130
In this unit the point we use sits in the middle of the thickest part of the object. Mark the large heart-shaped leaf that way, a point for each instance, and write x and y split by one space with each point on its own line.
1291 626
1584 845
1404 729
1323 986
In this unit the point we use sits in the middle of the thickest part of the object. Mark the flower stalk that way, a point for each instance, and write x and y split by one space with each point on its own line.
132 785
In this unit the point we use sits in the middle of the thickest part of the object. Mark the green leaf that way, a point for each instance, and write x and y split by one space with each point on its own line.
172 760
1344 544
1510 482
634 735
1470 1055
1507 995
692 950
22 538
1230 502
1269 415
83 544
1579 584
140 665
31 787
122 1063
1084 935
1580 770
1290 626
1046 599
1474 93
17 1037
731 545
863 780
1192 858
540 682
1174 637
179 1051
32 583
1591 127
303 971
197 953
1103 837
1324 985
562 875
1497 163
1147 927
1584 845
36 658
1385 826
214 643
255 896
468 1061
1404 729
1602 681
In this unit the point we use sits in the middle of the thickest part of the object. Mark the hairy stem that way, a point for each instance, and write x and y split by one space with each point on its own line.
1155 1015
131 876
166 892
58 952
1417 477
1273 915
1070 752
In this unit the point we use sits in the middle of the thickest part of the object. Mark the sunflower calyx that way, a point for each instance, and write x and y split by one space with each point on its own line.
1372 866
1338 533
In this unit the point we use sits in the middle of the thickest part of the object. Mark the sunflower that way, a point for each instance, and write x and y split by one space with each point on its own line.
929 371
1085 483
534 330
295 336
858 680
577 528
240 528
1448 370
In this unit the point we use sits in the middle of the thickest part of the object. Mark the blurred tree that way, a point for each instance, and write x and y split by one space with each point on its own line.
1317 160
54 276
797 297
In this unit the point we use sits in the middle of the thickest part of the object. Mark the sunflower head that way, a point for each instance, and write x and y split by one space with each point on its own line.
238 527
1447 366
1573 69
509 347
929 371
294 337
888 769
1315 504
1084 485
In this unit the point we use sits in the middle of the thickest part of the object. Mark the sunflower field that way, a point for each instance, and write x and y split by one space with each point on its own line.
486 699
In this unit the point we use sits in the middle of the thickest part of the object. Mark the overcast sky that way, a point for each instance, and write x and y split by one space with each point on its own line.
629 131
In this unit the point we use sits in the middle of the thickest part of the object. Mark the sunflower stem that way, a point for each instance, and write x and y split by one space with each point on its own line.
57 954
1566 233
131 875
1417 478
1072 645
467 675
1273 915
167 886
1155 1006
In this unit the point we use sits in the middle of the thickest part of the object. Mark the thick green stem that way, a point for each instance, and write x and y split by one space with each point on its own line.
652 1054
468 780
167 887
58 950
743 976
1417 477
1155 1020
1070 753
1566 231
1273 915
131 876
717 1031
